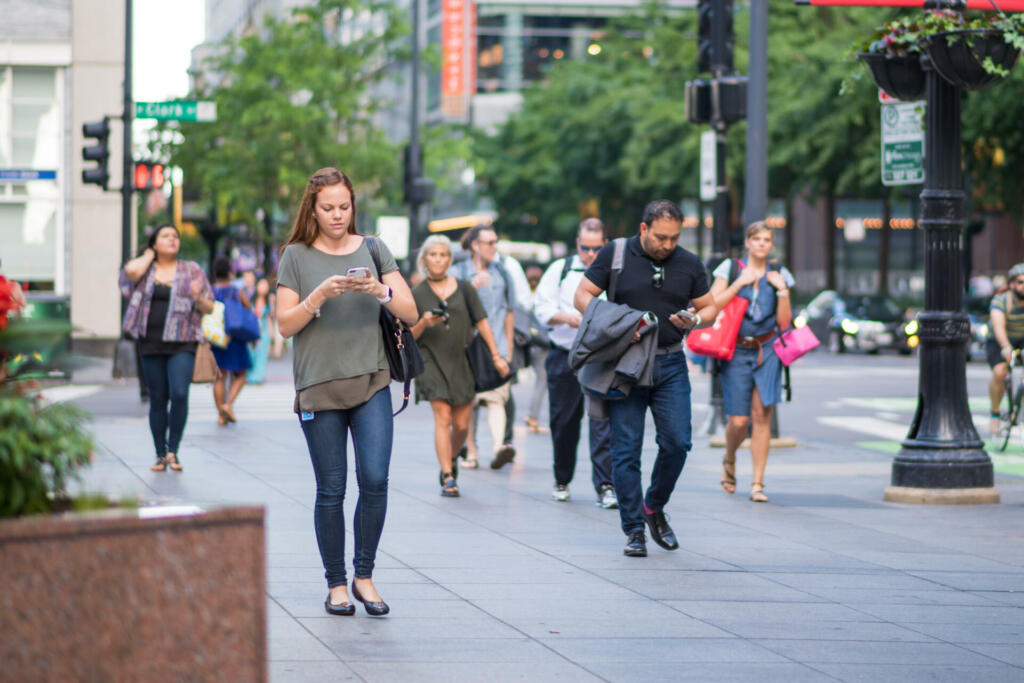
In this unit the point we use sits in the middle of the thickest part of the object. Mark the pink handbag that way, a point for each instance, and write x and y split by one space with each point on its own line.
793 343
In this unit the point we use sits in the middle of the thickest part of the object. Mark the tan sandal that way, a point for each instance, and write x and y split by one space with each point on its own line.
172 462
757 493
160 465
728 481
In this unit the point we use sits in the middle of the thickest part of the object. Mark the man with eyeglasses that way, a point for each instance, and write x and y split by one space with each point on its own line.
498 296
1006 322
661 277
554 306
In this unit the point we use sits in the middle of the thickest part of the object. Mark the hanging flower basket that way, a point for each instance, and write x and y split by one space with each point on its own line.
972 59
901 77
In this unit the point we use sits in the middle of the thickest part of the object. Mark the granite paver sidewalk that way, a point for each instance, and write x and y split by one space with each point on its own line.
826 582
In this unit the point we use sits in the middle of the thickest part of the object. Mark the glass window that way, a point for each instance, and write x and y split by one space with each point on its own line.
37 83
28 234
5 119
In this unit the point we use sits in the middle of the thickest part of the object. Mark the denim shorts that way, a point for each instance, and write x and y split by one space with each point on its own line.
741 374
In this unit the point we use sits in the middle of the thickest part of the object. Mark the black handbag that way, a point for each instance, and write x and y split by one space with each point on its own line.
403 354
485 374
481 362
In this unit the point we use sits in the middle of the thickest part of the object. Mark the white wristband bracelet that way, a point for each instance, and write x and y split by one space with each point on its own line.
387 297
315 312
698 320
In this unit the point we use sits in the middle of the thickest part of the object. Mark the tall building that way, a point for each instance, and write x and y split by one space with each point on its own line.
61 64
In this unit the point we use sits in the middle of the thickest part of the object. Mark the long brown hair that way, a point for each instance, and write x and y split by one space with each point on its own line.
306 230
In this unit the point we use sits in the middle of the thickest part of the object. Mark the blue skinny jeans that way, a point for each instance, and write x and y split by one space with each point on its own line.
168 379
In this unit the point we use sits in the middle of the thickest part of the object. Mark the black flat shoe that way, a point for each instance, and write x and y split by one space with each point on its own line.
374 609
661 532
636 545
345 609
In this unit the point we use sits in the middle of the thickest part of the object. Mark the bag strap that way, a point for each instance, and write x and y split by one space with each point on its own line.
785 383
566 267
618 256
374 248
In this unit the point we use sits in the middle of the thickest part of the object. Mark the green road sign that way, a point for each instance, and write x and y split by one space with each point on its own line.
902 143
183 110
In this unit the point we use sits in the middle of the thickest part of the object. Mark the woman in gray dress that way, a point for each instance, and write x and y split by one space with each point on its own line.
449 311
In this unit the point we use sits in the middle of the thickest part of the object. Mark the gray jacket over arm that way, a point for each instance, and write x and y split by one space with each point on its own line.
606 361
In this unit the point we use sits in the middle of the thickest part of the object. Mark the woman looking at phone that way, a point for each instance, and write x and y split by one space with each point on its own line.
450 311
752 380
341 374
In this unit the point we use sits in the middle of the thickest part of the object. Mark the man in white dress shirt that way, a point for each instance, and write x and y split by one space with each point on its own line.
554 306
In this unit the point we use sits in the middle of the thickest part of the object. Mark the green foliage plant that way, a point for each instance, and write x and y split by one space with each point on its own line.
41 447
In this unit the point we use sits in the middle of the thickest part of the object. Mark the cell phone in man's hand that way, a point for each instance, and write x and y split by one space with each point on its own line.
358 271
684 313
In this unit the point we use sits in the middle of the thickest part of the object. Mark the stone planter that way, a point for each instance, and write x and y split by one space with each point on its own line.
959 56
900 77
127 595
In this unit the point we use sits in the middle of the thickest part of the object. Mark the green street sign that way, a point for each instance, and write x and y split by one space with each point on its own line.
902 143
183 110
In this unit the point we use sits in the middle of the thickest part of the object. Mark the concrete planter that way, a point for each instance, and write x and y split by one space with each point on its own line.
127 595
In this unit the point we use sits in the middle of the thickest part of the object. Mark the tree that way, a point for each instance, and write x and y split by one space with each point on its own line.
607 133
292 98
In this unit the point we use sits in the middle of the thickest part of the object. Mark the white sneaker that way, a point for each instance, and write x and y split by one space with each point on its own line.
608 500
560 493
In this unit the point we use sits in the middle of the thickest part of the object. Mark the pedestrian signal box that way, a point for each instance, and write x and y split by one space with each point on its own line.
149 175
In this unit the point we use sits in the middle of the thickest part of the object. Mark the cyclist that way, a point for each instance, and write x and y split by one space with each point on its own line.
1006 322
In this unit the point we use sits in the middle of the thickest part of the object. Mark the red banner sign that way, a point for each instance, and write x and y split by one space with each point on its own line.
458 56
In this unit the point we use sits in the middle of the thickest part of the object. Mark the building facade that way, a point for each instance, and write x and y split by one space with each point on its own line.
61 64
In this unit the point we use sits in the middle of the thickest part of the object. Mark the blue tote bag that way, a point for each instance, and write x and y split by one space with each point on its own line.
239 322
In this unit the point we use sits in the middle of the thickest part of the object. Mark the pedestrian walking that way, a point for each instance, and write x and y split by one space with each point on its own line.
660 277
450 310
554 306
233 360
329 299
499 299
538 356
262 306
752 380
167 298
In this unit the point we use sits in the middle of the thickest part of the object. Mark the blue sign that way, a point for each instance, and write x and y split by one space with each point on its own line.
23 175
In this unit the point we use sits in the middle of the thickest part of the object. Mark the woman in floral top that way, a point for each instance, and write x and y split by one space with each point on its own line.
166 301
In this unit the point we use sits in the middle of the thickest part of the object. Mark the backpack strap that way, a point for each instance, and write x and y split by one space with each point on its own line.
618 256
566 267
507 278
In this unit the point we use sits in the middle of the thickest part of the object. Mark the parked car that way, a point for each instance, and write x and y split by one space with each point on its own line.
863 322
977 312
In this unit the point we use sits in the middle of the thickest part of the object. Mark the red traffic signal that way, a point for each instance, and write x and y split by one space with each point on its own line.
149 175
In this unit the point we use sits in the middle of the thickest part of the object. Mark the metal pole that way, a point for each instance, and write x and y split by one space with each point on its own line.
942 458
755 204
414 127
126 160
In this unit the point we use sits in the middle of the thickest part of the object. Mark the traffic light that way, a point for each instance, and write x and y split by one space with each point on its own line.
704 13
100 153
715 36
408 174
149 175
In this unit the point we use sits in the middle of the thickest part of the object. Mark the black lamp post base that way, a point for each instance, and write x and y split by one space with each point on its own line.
919 496
942 476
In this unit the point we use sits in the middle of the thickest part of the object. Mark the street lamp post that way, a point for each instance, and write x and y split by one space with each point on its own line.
942 458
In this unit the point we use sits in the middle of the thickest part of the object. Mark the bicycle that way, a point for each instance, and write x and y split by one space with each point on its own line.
1010 416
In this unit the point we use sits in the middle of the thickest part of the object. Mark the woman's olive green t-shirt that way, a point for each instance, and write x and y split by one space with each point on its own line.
345 341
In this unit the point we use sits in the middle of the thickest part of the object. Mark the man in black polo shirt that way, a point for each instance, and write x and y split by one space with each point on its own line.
658 276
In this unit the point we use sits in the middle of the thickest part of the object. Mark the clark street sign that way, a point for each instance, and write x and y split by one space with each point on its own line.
183 110
902 143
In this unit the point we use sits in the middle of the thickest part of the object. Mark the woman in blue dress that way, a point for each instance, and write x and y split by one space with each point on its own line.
234 360
752 380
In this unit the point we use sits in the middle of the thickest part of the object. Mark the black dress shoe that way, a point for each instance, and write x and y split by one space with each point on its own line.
374 609
661 532
345 609
636 545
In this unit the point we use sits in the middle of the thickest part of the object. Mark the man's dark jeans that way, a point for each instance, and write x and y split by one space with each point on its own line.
669 401
327 437
565 411
168 379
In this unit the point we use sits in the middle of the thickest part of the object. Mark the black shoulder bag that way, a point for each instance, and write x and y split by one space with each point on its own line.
485 374
404 358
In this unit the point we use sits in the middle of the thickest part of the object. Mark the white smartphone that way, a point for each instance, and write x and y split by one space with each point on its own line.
358 271
683 313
